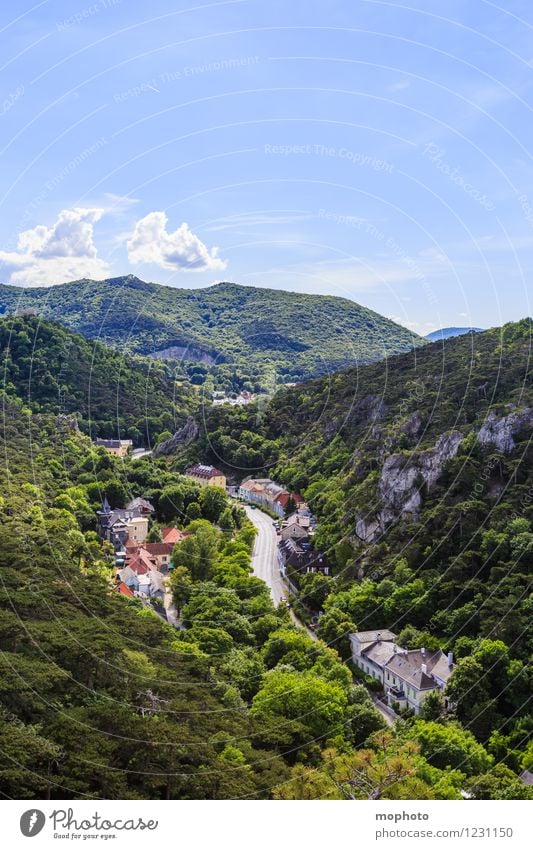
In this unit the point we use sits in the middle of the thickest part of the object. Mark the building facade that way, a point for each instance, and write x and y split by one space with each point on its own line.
407 675
118 447
206 475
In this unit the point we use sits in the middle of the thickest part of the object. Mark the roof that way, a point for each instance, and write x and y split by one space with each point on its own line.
202 470
126 574
140 561
140 504
158 548
527 777
123 589
296 519
408 666
172 535
374 636
249 485
379 653
113 443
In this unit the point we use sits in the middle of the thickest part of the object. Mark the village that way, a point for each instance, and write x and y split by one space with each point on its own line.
406 676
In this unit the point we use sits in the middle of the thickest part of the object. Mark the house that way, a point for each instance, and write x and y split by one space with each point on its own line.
407 675
301 558
269 494
118 447
172 535
140 561
128 577
296 527
122 525
123 589
152 584
157 554
207 475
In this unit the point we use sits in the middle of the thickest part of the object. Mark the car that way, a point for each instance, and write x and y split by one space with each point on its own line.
253 507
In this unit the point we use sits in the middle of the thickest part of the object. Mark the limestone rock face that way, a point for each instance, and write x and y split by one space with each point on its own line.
188 433
499 431
400 481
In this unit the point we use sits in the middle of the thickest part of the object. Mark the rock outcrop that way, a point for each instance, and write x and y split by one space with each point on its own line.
400 481
188 433
499 431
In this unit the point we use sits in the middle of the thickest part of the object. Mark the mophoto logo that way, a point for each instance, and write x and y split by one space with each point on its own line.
32 822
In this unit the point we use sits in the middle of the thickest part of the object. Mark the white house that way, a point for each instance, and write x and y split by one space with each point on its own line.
407 675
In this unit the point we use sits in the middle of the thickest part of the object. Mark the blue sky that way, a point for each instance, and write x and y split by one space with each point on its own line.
376 150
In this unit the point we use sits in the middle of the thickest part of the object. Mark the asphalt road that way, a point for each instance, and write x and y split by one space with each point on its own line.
265 555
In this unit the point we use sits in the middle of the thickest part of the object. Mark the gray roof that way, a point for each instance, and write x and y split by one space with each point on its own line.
379 653
407 665
374 636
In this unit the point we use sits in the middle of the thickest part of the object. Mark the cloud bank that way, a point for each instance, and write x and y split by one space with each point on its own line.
64 251
180 250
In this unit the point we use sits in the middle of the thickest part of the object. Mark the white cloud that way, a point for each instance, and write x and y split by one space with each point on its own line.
65 251
181 250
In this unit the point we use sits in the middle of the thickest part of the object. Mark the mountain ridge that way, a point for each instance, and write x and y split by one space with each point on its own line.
293 335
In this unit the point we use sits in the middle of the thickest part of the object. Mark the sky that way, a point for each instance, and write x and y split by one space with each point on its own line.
379 151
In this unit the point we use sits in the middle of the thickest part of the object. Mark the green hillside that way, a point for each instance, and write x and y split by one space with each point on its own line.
420 471
56 371
289 335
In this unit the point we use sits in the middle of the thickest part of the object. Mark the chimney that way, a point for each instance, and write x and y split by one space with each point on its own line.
422 651
424 669
378 635
450 658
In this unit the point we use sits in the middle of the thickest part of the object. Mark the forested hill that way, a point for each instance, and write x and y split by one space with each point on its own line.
293 335
56 371
420 472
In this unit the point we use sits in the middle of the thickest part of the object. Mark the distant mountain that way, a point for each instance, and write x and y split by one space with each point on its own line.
292 335
449 332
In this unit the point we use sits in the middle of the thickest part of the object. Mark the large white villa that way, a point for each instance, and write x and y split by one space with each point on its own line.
407 675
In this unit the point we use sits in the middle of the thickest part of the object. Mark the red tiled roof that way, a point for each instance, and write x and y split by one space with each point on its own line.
171 535
202 470
158 548
123 589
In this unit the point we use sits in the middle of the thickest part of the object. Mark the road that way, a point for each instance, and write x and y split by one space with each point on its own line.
265 566
265 554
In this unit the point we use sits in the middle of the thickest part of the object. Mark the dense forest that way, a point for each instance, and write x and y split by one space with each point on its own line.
102 698
243 334
56 371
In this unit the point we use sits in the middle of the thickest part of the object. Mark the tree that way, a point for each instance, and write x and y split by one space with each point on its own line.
499 783
314 589
317 705
180 586
213 502
380 772
197 552
450 746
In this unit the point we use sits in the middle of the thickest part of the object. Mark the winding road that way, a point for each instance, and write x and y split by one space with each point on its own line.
265 566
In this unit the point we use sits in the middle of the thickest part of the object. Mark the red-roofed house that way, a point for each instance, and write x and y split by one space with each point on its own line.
123 589
172 535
